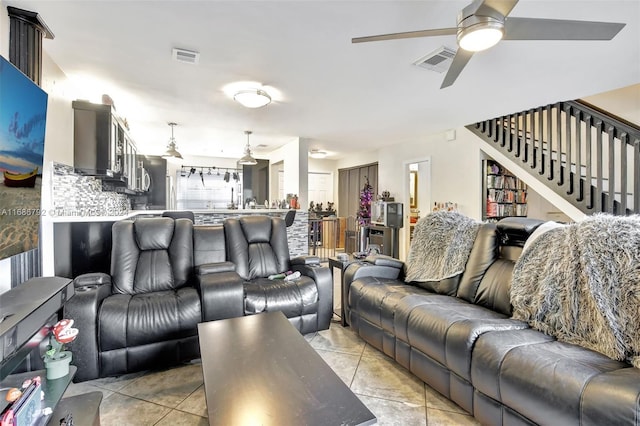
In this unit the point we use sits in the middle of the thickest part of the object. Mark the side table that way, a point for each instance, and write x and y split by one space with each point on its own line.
337 265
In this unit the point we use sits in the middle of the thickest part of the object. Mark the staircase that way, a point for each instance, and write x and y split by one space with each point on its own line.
584 155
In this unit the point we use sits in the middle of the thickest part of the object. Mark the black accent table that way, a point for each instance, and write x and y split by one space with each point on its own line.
259 369
341 265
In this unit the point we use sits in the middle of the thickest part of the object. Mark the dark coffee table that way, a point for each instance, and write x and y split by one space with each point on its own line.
260 370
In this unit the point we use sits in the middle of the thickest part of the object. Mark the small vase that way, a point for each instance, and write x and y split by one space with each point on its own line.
59 366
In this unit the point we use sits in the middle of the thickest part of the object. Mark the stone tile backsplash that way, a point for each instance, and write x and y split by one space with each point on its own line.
78 195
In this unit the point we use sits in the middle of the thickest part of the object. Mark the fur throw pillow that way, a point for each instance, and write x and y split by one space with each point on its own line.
440 247
581 284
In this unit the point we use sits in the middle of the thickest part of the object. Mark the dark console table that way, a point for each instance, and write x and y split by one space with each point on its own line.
27 311
259 369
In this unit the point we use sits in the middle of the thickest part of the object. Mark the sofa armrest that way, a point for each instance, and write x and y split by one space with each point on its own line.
215 268
91 279
221 295
384 260
305 260
83 308
324 283
373 266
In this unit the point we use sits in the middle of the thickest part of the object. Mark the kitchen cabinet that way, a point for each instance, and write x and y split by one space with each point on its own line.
103 147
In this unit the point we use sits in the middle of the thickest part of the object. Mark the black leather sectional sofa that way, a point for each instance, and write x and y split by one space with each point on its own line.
167 275
457 335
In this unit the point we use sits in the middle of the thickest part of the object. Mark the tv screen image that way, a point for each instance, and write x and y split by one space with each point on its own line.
23 113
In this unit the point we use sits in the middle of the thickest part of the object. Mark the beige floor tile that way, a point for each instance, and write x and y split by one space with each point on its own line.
394 413
384 378
195 403
344 365
448 418
436 400
116 383
122 410
370 351
167 387
85 387
338 339
180 418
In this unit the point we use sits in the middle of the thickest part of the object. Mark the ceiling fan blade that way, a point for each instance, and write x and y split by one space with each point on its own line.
504 7
409 34
459 62
559 29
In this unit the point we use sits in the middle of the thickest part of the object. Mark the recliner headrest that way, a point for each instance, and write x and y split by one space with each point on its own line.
514 231
257 229
154 233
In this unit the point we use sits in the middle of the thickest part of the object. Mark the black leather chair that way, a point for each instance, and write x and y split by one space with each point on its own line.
145 313
289 218
257 247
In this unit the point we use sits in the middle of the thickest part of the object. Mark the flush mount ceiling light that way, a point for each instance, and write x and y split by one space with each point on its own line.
171 151
252 98
247 159
316 153
478 33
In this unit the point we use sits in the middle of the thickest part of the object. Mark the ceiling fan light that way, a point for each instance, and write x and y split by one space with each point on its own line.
480 37
252 98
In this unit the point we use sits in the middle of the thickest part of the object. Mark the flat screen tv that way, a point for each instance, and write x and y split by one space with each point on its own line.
23 114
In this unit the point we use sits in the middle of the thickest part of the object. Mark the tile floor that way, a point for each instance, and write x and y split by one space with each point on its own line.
176 396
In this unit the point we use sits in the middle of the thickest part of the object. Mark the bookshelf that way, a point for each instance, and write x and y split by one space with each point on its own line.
505 194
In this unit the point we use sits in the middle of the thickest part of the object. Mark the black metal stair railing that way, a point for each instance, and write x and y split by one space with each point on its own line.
585 156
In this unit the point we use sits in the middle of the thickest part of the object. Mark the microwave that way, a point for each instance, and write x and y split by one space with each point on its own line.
387 213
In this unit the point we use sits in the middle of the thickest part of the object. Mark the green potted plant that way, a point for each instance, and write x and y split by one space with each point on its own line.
56 358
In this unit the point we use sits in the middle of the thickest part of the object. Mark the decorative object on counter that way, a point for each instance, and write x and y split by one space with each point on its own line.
247 159
292 202
56 358
446 206
386 196
172 151
366 195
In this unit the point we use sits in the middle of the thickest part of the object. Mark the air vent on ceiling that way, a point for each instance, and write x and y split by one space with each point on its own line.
187 56
439 60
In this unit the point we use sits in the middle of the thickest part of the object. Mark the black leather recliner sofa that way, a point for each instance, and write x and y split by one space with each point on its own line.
167 275
457 336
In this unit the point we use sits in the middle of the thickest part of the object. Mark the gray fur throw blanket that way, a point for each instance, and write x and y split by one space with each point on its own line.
440 247
581 284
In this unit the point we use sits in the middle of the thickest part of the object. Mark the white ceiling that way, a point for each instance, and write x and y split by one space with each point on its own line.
343 97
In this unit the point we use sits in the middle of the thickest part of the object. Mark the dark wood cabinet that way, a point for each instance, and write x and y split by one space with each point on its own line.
102 147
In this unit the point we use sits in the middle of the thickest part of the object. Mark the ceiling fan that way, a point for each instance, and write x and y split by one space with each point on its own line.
483 23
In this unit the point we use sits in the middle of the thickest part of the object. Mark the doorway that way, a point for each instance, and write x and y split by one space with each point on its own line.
418 184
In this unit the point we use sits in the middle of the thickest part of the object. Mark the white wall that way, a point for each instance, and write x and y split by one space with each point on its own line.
295 163
456 172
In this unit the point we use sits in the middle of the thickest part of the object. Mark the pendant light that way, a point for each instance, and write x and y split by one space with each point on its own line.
247 159
171 151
